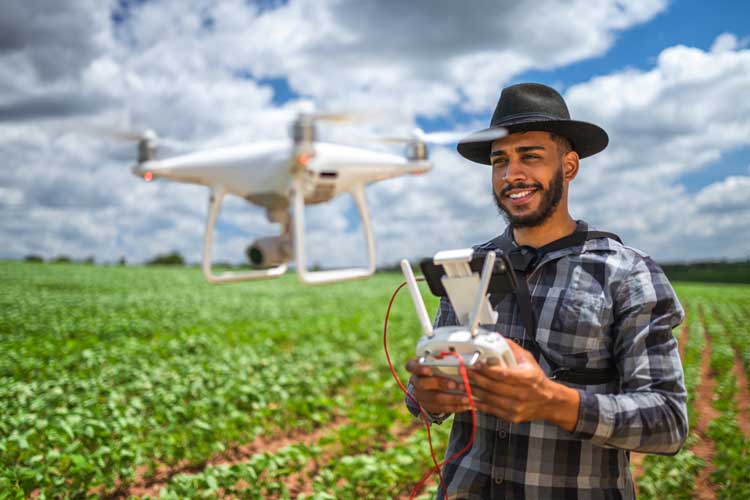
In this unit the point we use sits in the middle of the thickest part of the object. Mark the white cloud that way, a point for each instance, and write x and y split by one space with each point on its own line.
725 42
429 54
733 193
176 70
687 112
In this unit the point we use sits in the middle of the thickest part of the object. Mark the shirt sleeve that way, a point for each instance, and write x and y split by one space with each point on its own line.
650 413
445 316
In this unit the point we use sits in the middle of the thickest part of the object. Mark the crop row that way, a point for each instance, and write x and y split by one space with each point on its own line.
724 313
674 477
732 460
737 324
379 472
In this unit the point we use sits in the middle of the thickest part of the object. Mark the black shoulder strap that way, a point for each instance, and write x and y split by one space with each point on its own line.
583 376
576 239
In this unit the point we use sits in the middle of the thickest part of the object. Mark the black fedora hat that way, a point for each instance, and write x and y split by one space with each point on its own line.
530 107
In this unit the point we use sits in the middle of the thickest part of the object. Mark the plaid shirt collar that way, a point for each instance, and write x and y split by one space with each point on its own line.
595 245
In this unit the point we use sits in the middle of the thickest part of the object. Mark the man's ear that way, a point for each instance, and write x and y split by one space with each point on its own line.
570 165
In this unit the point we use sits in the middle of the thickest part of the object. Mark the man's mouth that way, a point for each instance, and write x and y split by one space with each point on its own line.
520 196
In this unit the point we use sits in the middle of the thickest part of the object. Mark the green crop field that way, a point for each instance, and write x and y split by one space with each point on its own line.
120 382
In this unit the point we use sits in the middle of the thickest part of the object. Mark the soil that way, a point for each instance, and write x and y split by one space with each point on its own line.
302 483
704 448
235 454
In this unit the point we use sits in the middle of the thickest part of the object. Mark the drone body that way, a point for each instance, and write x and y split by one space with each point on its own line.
283 176
261 172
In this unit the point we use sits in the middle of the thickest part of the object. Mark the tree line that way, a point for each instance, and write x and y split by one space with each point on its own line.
166 259
700 271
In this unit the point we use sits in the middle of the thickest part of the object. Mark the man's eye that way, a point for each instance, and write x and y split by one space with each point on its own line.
531 157
499 163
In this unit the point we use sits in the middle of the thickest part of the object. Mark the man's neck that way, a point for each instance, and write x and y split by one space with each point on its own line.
552 229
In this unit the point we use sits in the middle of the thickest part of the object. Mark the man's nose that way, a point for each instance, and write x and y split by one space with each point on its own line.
514 171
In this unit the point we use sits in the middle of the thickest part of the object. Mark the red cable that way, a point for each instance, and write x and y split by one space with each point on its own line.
425 419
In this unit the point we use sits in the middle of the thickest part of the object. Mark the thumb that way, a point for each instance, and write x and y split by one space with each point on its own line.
522 355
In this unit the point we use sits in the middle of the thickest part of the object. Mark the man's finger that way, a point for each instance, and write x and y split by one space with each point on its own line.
519 375
493 399
501 387
415 367
442 401
496 374
460 408
492 410
433 383
522 355
490 373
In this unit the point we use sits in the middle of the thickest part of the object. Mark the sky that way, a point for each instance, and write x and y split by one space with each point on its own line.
668 80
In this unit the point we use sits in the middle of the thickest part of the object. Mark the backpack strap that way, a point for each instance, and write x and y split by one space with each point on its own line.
577 375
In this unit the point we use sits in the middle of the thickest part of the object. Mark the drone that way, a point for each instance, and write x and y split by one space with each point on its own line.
283 177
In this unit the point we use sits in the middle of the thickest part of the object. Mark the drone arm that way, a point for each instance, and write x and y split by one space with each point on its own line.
298 222
215 199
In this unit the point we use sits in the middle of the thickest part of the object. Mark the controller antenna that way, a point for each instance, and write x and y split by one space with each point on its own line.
416 297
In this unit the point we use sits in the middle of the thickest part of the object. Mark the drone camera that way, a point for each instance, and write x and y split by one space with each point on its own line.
270 251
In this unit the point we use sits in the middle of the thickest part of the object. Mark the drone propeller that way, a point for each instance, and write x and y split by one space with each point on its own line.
443 137
136 136
337 117
304 127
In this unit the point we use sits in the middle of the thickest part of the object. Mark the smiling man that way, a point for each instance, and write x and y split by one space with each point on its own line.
598 372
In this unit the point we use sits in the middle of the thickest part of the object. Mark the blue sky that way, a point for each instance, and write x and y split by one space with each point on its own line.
668 80
689 22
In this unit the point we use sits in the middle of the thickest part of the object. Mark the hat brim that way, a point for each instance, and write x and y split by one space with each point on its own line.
587 139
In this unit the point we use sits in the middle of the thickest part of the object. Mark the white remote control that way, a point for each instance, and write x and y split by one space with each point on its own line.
467 292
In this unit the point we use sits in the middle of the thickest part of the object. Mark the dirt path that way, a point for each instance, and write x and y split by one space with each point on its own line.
302 483
150 486
636 467
706 412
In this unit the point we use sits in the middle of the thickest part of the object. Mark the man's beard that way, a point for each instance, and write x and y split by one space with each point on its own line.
550 199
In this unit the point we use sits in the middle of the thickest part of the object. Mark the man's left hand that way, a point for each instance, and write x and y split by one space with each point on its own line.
523 393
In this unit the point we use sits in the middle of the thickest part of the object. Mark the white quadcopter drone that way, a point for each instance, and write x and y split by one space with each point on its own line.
283 177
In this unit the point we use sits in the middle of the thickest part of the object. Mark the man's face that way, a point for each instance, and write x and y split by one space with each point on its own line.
527 177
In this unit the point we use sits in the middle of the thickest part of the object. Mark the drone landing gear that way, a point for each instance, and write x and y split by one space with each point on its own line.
298 232
215 199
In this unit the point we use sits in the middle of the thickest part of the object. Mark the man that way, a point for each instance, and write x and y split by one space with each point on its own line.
599 308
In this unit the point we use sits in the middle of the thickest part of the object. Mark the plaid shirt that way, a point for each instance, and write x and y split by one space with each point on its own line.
597 305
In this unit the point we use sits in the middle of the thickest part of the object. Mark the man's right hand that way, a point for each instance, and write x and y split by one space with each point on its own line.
430 389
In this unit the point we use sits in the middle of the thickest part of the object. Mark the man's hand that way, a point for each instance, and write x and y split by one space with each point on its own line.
523 393
430 389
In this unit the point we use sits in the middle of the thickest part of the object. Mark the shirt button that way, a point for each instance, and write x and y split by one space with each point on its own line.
502 434
498 479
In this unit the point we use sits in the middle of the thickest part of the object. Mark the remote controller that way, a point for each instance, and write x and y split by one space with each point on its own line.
467 292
